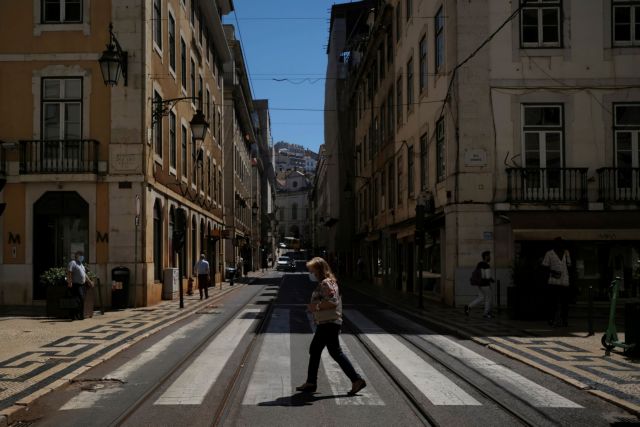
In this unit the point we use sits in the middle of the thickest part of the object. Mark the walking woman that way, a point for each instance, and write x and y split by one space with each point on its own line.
326 306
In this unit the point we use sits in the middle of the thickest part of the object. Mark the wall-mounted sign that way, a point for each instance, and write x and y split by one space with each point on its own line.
475 157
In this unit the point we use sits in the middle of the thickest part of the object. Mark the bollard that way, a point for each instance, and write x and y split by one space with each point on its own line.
590 311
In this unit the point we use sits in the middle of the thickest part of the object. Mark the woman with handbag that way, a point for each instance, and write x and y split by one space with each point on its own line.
326 306
558 261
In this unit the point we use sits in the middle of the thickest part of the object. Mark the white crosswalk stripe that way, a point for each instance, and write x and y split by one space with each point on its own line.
87 399
271 377
515 383
435 386
194 383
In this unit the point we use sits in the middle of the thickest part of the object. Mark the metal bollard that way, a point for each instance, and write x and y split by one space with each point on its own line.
590 311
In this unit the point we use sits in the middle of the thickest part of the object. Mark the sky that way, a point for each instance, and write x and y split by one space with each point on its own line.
287 39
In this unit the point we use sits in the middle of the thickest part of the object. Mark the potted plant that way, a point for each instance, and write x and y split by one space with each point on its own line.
55 281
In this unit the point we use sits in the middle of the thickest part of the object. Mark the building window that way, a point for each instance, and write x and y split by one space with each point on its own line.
392 186
410 171
193 13
61 11
409 7
399 181
157 23
157 127
389 47
294 211
192 75
172 42
383 184
423 63
399 101
540 23
62 108
173 149
398 22
183 63
424 177
542 143
220 186
410 85
440 151
627 140
207 106
381 62
183 151
157 241
439 40
390 118
626 22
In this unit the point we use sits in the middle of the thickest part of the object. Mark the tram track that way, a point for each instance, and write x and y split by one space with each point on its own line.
166 376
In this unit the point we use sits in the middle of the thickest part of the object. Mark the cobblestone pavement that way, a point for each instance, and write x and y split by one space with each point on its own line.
567 353
40 354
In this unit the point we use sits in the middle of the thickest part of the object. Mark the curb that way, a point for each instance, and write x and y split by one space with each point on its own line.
12 413
628 406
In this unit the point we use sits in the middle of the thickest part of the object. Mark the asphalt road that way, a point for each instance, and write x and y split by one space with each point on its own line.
237 362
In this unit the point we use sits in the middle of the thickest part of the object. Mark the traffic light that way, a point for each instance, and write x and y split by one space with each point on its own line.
2 205
179 230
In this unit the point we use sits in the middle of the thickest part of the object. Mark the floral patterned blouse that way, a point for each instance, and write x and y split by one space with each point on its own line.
327 290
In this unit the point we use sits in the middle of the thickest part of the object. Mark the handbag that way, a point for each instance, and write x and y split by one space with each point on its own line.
555 274
326 315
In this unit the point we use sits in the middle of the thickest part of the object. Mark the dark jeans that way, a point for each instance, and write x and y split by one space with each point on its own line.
203 284
327 335
77 291
559 311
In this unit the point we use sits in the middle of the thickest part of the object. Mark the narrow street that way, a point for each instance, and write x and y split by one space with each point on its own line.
237 362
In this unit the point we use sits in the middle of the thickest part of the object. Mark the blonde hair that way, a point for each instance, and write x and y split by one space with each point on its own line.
321 268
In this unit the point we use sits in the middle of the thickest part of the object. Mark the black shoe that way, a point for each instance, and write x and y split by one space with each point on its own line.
466 310
357 386
307 387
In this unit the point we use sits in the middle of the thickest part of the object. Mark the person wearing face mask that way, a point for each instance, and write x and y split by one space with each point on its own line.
76 279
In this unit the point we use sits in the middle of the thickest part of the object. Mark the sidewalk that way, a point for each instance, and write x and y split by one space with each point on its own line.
566 353
39 354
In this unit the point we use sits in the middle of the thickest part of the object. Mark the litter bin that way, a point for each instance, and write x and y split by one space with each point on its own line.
170 283
632 324
119 287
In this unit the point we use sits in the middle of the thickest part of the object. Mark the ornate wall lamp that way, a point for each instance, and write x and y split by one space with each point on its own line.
114 61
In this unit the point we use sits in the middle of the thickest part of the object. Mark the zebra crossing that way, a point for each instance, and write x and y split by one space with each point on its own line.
271 376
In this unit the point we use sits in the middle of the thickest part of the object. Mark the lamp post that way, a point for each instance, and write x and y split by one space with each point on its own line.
421 204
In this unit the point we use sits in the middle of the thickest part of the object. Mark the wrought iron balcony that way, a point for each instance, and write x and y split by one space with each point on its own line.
547 185
59 156
619 184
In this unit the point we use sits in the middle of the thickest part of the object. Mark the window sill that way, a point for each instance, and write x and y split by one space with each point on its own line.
38 29
158 50
173 171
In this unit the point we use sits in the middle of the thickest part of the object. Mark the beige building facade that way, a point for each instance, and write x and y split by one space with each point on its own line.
512 133
112 171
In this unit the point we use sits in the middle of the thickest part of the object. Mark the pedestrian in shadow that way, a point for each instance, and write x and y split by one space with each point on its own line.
201 269
557 260
482 279
326 306
77 278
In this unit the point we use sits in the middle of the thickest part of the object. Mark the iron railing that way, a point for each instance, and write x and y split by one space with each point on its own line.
618 184
3 160
543 185
59 156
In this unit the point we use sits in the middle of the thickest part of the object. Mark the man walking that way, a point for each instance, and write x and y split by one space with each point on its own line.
481 277
76 278
202 270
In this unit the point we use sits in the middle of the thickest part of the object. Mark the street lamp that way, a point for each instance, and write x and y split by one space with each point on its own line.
254 209
198 123
421 204
113 61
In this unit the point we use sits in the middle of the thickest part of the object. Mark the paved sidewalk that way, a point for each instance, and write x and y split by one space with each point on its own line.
39 354
567 353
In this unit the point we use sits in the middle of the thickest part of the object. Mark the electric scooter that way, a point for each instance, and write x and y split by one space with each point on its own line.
610 338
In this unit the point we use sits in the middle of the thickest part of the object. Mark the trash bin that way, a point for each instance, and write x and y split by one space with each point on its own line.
170 283
119 287
632 323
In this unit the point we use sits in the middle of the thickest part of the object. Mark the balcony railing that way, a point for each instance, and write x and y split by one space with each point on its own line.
619 184
59 156
542 185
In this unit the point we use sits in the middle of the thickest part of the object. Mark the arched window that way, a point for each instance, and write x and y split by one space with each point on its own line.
157 240
194 243
172 224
